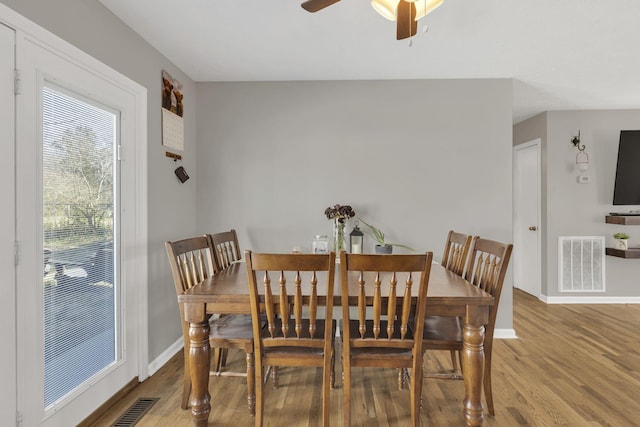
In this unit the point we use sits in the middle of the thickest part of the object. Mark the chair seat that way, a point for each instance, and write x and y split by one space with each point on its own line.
232 326
442 330
379 352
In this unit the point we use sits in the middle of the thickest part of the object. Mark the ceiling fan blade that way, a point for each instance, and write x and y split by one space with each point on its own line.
407 24
316 5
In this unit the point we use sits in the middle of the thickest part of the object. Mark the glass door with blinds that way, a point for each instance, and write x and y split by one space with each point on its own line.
77 299
79 200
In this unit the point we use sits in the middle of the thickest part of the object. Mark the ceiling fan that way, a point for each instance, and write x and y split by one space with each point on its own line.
405 12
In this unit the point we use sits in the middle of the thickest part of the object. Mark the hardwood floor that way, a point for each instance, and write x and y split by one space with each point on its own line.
573 365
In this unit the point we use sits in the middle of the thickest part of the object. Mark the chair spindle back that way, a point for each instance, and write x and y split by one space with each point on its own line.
191 261
456 251
284 287
487 268
399 278
226 248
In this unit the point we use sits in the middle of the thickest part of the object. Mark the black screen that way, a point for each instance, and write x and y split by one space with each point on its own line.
627 187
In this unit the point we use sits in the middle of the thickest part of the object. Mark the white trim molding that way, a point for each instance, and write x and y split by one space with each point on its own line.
588 299
505 334
164 357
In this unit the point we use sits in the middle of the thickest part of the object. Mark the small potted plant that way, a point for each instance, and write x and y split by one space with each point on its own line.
621 241
383 247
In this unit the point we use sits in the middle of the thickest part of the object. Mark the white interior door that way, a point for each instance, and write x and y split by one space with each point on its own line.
526 221
7 229
77 344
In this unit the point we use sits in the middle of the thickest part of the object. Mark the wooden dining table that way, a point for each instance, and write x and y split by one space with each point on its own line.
228 292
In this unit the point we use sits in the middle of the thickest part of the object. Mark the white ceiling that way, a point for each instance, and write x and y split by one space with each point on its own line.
562 54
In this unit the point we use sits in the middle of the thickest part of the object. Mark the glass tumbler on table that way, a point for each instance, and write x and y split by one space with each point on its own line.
320 244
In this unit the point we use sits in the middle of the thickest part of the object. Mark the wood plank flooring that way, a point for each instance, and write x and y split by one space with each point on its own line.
573 365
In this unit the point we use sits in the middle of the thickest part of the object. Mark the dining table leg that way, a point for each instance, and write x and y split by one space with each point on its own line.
473 363
199 356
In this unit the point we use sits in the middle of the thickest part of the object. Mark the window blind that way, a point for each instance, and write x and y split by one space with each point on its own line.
79 294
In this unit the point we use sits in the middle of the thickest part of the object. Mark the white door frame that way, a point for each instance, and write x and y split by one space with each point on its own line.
519 225
8 402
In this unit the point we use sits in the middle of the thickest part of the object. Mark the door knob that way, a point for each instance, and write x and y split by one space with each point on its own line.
533 228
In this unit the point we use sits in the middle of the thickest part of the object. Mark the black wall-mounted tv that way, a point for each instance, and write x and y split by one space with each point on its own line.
627 186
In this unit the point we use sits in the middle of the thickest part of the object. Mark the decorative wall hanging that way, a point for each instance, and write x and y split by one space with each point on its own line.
172 111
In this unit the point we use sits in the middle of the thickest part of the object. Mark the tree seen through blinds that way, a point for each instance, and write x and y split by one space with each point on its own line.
79 292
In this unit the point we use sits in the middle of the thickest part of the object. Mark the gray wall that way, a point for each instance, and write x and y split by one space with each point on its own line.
579 209
415 158
87 25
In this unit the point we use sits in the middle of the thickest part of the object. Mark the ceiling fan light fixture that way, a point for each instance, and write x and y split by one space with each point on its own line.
386 8
424 7
389 8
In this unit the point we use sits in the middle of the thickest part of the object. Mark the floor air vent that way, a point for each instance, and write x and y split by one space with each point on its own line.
135 412
581 263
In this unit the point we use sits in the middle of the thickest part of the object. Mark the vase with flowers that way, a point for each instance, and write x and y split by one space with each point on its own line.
339 214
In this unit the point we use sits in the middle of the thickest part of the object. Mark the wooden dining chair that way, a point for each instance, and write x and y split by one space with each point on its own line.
192 260
456 251
226 248
296 334
373 341
454 259
488 265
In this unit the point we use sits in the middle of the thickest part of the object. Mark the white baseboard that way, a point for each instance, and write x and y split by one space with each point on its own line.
587 299
505 334
165 356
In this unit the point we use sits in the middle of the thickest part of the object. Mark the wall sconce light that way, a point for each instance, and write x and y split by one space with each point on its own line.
582 158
